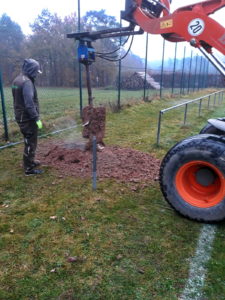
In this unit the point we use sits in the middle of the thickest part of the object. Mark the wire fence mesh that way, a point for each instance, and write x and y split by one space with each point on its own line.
181 73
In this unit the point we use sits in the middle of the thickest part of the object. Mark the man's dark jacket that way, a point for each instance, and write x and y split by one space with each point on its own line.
26 105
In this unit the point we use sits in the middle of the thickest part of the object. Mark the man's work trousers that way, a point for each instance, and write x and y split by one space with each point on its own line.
29 130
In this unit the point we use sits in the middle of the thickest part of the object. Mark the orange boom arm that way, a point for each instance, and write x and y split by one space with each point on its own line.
190 23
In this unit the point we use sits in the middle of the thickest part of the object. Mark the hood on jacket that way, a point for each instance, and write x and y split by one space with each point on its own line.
31 68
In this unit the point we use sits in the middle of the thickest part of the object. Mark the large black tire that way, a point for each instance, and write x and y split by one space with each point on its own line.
210 129
192 177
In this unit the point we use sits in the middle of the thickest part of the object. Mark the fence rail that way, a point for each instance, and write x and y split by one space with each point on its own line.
220 95
180 73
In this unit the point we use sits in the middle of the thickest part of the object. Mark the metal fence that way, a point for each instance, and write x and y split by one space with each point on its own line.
184 72
219 96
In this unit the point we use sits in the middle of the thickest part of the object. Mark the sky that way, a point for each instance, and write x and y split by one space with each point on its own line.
24 12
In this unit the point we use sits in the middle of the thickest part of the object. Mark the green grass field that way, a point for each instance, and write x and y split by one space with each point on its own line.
60 100
127 245
60 107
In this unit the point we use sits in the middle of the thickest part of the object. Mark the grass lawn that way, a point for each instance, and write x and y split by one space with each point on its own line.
59 239
59 106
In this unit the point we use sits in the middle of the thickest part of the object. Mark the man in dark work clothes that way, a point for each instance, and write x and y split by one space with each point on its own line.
26 109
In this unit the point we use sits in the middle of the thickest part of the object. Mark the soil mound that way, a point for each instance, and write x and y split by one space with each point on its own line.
122 164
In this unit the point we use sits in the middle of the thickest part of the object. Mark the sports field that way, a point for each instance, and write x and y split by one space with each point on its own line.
60 239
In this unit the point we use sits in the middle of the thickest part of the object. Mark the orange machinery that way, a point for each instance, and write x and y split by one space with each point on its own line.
192 173
190 23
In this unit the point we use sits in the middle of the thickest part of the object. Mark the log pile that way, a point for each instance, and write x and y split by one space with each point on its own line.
136 81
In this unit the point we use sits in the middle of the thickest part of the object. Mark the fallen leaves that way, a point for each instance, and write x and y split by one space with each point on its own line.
73 259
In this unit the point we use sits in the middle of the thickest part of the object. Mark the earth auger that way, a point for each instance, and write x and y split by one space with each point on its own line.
192 173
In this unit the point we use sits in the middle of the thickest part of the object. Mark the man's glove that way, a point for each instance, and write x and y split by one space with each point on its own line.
39 124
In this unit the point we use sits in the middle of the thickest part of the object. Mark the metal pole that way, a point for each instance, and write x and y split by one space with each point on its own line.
159 127
209 101
207 75
119 75
195 76
6 134
182 74
199 76
79 66
215 80
162 68
189 76
219 100
203 74
174 68
94 163
185 113
200 108
218 79
214 104
88 74
217 64
146 65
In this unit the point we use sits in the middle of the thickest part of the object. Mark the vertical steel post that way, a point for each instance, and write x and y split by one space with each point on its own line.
199 76
209 101
195 76
203 74
159 127
214 104
88 77
119 75
200 108
189 76
185 113
214 76
207 75
162 68
218 79
94 163
79 66
146 66
219 98
182 74
6 134
174 68
215 82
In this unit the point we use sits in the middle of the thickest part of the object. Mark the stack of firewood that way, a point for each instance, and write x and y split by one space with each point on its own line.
136 81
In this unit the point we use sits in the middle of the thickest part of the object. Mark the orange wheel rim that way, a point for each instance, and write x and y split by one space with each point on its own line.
200 184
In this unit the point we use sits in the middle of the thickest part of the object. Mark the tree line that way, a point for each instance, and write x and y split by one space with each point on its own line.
56 53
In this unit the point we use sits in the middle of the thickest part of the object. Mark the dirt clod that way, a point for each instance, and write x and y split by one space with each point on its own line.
94 124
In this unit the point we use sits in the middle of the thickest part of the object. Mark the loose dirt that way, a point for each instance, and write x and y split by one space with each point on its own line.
94 120
123 164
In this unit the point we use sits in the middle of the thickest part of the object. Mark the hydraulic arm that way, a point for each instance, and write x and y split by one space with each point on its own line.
190 23
192 175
